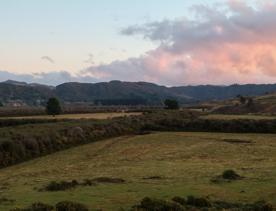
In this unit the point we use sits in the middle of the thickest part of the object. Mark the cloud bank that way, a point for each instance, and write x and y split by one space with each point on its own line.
231 43
51 78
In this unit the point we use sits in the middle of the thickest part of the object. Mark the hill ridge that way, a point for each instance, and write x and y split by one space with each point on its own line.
127 93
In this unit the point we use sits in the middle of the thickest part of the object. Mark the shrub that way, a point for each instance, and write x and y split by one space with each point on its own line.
149 204
64 185
198 202
88 182
227 176
4 200
231 175
38 206
70 206
61 206
61 186
179 200
41 207
153 178
108 180
257 206
262 206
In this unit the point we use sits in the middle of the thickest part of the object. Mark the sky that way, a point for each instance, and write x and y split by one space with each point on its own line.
169 42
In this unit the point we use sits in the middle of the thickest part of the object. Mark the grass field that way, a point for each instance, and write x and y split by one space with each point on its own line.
231 117
77 116
186 162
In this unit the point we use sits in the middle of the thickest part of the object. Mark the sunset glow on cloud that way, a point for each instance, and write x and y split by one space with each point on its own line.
236 44
228 43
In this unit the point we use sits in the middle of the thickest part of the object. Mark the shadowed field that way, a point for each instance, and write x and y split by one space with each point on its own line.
159 165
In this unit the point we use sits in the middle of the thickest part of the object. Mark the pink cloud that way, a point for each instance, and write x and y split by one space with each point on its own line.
222 46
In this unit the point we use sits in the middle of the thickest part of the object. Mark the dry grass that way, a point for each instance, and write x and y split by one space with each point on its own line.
185 162
231 117
77 116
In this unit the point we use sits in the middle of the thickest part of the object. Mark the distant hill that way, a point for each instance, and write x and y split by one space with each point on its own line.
264 104
17 83
209 92
115 92
26 93
124 93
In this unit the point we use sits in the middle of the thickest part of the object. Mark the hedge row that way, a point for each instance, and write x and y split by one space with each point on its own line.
21 143
17 122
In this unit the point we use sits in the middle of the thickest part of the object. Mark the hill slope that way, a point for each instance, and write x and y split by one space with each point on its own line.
116 91
27 93
263 104
125 93
210 92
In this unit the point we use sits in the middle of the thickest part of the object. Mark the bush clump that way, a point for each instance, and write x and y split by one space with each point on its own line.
150 204
227 176
88 182
108 180
262 206
38 206
64 185
70 206
4 200
41 207
179 200
231 175
61 186
153 178
61 206
257 206
192 201
198 202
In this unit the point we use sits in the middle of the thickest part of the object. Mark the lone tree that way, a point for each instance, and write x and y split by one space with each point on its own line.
242 99
171 104
53 106
250 102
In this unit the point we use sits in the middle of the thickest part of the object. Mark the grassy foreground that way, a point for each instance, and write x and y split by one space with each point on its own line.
185 163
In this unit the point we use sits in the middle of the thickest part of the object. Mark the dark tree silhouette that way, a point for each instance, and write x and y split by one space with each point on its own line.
53 107
171 104
242 99
250 102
